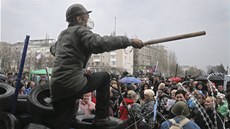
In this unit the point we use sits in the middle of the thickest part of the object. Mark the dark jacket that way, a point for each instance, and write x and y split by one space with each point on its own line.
74 47
147 111
199 120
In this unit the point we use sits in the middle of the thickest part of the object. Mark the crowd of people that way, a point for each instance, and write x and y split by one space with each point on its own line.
158 102
208 102
26 84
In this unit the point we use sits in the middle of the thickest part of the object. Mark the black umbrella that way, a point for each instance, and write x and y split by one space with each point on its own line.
216 78
201 78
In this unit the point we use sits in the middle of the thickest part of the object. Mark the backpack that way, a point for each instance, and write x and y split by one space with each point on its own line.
178 125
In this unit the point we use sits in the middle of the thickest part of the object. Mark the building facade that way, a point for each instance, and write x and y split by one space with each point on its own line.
114 62
37 56
129 59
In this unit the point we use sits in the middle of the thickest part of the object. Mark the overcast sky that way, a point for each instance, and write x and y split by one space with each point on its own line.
145 19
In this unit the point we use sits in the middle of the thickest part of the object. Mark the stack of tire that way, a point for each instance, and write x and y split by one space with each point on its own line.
34 112
7 120
24 117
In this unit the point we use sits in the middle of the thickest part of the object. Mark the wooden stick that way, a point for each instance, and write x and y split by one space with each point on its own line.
172 38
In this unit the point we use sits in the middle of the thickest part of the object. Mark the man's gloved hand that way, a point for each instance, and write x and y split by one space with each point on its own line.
137 43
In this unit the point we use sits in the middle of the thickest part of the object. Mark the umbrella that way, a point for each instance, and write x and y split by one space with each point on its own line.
211 78
216 78
126 80
201 78
175 79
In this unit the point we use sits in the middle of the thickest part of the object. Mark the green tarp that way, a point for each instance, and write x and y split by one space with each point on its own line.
39 72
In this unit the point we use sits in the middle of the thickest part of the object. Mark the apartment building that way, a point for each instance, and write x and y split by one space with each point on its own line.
115 61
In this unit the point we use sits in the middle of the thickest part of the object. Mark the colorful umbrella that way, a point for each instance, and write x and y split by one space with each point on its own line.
126 80
175 79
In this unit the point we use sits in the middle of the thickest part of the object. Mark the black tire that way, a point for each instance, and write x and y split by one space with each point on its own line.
35 126
20 96
3 78
6 96
8 121
24 119
21 106
85 122
40 111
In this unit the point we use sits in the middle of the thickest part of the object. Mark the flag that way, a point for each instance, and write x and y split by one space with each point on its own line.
39 56
155 67
155 108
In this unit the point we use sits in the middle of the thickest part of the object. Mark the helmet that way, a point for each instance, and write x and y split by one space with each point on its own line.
180 108
75 10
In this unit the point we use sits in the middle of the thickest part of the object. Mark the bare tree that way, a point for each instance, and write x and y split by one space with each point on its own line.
172 63
6 57
218 68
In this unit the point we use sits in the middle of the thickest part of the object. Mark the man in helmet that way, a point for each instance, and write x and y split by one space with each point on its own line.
180 121
69 78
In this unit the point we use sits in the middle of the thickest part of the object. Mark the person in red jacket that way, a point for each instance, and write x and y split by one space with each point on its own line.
131 98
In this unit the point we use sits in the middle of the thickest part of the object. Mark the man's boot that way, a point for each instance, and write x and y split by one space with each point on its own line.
102 104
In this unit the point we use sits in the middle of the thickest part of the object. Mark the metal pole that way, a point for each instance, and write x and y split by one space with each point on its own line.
18 83
227 70
176 70
186 74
